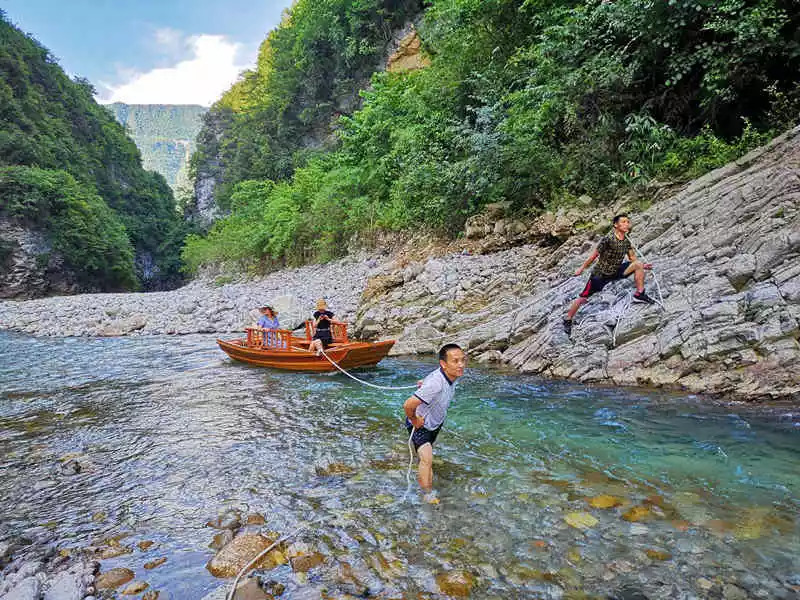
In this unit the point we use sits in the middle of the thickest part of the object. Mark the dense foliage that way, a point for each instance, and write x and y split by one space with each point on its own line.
532 101
82 228
52 123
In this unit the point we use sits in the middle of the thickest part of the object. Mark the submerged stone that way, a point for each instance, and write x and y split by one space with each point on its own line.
111 580
155 563
457 583
305 562
236 554
605 501
137 587
637 513
580 520
658 554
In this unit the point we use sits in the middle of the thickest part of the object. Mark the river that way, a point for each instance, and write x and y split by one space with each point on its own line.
548 489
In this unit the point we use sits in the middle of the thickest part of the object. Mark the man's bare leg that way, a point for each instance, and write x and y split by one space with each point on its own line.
637 269
574 307
425 473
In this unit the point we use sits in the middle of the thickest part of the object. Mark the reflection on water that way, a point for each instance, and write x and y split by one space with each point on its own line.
548 489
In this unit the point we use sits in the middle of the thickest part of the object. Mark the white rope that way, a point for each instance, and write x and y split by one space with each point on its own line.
372 385
625 306
258 557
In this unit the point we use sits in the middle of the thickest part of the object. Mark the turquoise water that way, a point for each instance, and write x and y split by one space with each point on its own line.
168 433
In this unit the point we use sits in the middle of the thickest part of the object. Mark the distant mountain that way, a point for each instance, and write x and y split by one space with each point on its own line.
165 135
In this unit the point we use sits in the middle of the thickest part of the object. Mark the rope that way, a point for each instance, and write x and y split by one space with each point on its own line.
372 385
258 557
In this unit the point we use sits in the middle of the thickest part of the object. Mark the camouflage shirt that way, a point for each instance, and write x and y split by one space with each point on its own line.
613 252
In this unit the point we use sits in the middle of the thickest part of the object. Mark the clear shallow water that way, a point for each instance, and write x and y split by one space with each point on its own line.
170 433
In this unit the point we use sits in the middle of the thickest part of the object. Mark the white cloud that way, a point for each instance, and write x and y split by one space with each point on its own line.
200 79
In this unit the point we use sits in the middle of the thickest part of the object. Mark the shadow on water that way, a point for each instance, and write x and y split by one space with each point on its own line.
548 489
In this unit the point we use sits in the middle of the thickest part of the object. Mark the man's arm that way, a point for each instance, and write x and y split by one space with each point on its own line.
410 408
592 257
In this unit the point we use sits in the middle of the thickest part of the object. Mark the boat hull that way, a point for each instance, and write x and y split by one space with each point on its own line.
347 356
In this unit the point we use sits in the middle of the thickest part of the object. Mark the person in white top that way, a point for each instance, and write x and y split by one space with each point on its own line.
427 408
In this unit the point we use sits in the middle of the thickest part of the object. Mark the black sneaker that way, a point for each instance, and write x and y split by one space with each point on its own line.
568 326
643 297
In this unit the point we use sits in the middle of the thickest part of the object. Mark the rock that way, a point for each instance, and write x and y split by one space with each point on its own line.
112 579
221 539
580 520
637 513
27 589
305 562
150 595
605 501
145 545
237 553
255 519
136 587
732 592
457 583
250 590
155 563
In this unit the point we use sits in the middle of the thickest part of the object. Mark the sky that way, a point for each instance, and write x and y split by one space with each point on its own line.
151 51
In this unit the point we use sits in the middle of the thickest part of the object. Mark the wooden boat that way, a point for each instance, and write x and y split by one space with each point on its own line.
280 349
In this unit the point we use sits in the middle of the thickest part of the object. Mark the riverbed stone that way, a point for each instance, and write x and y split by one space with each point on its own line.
135 587
113 578
237 553
457 583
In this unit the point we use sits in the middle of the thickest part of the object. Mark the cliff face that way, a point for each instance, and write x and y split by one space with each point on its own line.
165 135
726 252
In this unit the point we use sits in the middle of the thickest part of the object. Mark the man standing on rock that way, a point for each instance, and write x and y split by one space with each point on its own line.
612 265
427 408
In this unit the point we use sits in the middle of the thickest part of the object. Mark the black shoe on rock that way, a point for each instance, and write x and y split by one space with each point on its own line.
568 326
643 297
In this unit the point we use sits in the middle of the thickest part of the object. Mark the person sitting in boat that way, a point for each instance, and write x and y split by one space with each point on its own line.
269 320
322 337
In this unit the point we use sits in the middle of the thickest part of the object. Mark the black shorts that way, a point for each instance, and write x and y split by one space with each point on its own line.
422 436
597 282
324 335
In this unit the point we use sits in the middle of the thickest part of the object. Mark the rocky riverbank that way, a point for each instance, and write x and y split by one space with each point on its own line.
725 250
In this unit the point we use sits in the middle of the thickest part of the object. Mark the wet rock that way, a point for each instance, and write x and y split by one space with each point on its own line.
732 592
458 583
236 554
334 468
221 539
114 578
155 563
658 554
637 513
151 595
305 562
704 584
255 519
605 501
145 545
136 587
580 520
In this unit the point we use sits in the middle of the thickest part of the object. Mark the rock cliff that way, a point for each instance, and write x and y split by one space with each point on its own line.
725 250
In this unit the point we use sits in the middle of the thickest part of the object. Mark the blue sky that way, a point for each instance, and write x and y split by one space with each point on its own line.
150 51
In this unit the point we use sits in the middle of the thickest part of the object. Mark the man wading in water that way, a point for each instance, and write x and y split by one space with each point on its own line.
612 265
427 409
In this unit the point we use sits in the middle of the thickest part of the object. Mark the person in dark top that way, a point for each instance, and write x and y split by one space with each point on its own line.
612 265
322 337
